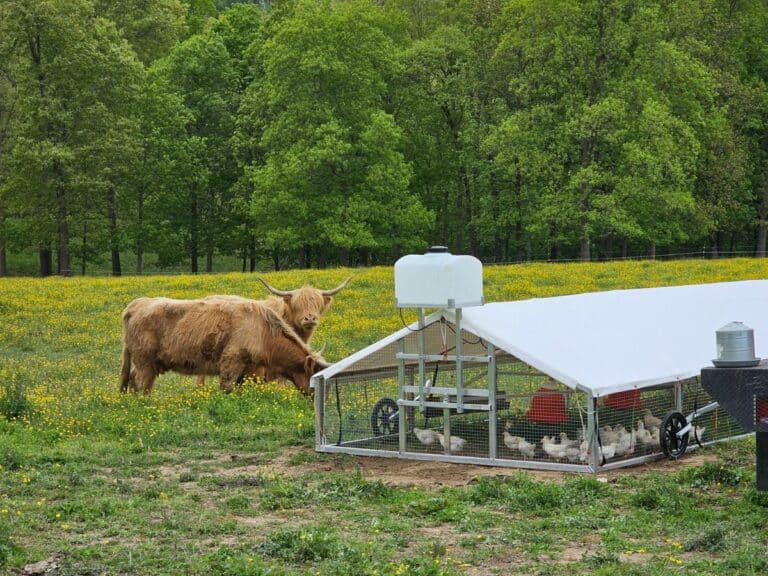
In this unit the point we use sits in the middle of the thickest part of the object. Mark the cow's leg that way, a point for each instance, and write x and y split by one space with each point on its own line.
144 377
229 372
131 386
201 381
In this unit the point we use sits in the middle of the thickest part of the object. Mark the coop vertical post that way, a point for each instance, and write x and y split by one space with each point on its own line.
319 411
592 432
459 365
420 339
679 396
401 409
492 413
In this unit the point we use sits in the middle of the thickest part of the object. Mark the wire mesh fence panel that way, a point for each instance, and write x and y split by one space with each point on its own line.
709 427
629 422
413 398
543 421
362 411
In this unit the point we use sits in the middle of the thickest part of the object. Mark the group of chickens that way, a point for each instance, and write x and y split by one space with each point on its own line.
428 436
615 441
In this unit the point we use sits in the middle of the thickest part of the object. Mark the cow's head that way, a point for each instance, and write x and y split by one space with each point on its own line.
313 363
305 305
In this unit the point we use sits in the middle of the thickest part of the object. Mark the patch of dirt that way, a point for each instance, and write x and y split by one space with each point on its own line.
401 472
299 461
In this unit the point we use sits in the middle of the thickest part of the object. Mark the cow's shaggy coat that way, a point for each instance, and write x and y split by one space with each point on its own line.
228 337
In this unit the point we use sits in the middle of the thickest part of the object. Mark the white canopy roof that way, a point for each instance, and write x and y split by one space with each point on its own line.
617 340
623 339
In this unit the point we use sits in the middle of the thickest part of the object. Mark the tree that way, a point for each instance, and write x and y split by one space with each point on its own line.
73 77
152 27
332 174
201 73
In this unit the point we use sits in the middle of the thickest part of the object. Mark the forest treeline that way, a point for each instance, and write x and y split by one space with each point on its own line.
312 132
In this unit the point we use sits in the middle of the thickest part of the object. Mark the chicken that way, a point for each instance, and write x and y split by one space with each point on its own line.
456 443
650 419
425 436
655 430
554 450
520 444
608 435
626 443
574 454
696 432
584 451
565 441
608 451
643 434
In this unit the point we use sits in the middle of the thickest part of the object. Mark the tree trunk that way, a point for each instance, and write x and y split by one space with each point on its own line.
554 251
194 241
210 231
46 261
652 255
585 253
762 222
252 251
140 235
3 262
114 240
64 259
85 248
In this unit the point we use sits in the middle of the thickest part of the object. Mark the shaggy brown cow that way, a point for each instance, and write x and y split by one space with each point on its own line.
300 308
228 337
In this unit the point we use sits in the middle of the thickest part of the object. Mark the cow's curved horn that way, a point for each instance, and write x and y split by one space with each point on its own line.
338 288
274 290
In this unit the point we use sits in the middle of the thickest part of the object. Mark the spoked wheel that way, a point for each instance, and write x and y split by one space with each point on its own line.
384 417
672 445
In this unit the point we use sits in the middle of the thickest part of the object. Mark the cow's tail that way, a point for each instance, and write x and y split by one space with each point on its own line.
125 369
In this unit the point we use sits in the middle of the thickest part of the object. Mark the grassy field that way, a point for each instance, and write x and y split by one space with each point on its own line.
192 481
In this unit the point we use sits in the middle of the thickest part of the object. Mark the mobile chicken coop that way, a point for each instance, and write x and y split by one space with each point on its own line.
575 383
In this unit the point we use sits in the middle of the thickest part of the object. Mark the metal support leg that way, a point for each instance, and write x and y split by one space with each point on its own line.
595 458
493 412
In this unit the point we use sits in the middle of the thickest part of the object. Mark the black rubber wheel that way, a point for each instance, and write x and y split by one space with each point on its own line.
384 417
672 445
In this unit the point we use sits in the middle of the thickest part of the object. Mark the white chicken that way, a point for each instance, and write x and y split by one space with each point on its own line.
425 436
554 450
655 430
696 432
643 434
520 444
584 451
650 419
608 435
608 451
565 441
574 454
456 443
626 443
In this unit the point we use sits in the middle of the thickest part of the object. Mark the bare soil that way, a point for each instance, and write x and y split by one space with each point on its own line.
399 472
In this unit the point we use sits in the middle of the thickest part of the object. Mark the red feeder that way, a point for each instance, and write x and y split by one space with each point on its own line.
624 400
548 405
761 409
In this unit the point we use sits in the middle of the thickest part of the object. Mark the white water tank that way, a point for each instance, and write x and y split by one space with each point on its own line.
438 279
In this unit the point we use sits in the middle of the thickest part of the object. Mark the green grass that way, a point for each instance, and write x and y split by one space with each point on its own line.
192 481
